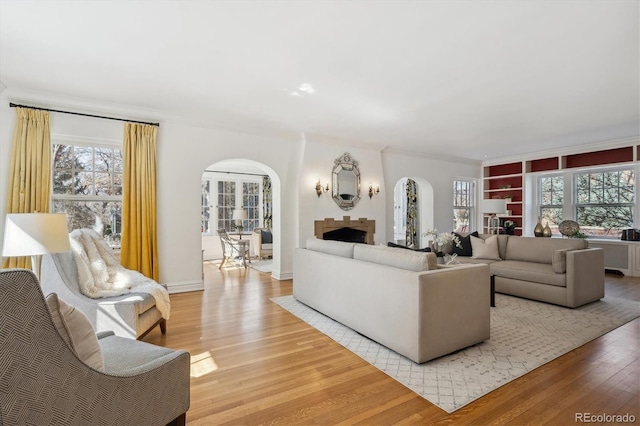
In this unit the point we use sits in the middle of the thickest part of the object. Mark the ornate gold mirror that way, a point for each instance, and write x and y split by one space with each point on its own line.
346 182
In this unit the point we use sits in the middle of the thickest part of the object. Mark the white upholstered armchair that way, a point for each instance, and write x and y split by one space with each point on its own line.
129 315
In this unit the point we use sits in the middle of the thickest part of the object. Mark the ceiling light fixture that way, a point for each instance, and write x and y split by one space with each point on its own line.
307 88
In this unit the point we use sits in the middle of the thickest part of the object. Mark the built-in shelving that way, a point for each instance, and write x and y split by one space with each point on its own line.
502 180
505 181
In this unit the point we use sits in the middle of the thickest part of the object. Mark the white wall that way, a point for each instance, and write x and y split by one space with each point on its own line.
295 162
439 173
184 151
317 163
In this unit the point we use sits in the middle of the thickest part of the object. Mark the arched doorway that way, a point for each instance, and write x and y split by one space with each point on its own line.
233 185
424 210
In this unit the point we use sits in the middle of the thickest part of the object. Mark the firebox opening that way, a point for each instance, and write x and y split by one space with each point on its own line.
348 235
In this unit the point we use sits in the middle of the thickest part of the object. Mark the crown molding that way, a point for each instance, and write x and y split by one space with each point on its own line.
579 149
432 156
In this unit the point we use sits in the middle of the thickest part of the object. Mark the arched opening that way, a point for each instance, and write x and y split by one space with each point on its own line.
243 197
423 206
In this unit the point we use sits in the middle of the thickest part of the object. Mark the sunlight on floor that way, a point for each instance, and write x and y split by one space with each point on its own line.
202 364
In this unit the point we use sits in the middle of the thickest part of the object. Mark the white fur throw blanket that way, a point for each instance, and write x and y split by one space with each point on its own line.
101 275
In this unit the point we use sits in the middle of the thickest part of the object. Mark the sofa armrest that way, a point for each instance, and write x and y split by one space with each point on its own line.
585 276
455 306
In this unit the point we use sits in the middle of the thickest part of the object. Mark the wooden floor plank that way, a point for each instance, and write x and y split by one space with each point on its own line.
258 364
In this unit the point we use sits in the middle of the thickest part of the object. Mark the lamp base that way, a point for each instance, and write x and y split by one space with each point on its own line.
36 260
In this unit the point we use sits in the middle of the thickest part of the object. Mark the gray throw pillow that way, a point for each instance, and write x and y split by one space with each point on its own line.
77 332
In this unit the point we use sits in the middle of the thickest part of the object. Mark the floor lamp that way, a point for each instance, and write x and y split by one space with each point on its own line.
494 207
35 234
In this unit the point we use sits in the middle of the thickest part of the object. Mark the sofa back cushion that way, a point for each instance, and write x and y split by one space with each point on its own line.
540 250
337 248
396 257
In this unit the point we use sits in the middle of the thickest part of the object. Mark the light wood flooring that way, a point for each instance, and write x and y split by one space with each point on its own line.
254 363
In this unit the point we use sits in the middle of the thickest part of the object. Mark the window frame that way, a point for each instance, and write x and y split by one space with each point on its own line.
471 207
239 181
609 169
570 203
541 206
89 198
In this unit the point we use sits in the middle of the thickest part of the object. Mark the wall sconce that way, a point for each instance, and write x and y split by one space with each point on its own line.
320 189
373 191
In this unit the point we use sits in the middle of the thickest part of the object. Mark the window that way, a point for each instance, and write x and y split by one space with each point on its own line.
551 201
230 194
251 203
226 205
87 185
605 201
602 200
463 205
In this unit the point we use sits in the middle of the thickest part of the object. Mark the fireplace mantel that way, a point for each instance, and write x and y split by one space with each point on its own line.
330 224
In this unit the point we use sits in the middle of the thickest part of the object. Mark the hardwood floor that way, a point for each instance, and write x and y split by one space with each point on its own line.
254 363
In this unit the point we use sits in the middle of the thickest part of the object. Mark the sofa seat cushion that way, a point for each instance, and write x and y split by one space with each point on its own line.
471 260
267 246
141 301
396 257
528 271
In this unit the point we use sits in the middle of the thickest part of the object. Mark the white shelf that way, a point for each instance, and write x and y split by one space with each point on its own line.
502 176
503 189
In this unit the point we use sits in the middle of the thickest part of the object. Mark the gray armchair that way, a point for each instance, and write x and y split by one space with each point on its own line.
130 315
264 243
44 381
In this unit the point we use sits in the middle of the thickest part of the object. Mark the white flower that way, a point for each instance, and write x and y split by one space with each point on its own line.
443 238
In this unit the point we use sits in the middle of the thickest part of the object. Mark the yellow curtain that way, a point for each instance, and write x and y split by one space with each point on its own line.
139 247
30 170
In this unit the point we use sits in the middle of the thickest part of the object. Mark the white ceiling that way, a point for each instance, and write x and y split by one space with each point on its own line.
475 79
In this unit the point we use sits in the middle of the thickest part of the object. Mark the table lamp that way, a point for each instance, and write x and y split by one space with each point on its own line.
34 234
239 215
493 207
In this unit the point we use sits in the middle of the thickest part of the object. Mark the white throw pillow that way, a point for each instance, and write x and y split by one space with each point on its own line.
76 330
485 249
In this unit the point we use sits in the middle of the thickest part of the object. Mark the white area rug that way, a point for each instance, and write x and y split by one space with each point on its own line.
262 265
524 336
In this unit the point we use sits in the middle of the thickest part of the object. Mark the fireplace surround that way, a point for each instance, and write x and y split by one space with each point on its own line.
346 229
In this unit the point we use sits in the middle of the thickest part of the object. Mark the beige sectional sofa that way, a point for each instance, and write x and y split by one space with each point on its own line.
397 298
562 271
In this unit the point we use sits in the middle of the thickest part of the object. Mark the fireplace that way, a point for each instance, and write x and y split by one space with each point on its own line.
351 230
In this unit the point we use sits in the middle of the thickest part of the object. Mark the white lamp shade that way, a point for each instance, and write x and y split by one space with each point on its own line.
496 206
30 234
239 214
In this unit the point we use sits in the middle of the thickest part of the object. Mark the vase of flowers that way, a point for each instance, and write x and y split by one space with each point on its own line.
441 240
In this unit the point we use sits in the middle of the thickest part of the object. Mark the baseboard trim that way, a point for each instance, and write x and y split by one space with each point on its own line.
185 286
280 276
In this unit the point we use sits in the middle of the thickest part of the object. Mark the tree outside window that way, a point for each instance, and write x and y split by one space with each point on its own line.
87 186
463 204
551 201
605 202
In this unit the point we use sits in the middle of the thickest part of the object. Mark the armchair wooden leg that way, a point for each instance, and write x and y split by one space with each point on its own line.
163 326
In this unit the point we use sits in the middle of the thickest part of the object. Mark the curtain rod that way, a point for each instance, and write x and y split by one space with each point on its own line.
234 173
12 105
